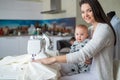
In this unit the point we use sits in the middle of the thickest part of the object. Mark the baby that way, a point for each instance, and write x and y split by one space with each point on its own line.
81 38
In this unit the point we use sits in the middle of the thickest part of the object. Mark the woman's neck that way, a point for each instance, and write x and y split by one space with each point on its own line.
95 25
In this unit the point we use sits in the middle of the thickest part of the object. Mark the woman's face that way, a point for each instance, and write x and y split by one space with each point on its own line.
87 13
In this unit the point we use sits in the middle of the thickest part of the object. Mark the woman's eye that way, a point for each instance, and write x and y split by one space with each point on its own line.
89 10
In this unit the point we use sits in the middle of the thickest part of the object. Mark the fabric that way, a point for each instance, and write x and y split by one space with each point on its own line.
115 21
21 68
101 48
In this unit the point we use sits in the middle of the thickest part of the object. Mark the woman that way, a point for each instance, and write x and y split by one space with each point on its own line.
100 47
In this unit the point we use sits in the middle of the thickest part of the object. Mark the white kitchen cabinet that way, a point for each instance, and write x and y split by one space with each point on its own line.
9 46
23 44
12 46
17 45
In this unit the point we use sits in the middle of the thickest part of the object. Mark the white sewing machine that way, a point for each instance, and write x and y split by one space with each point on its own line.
36 47
40 47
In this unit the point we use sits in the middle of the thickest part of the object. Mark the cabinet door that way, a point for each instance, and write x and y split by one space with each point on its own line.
9 46
23 44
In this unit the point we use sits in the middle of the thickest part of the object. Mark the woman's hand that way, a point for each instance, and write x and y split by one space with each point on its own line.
50 60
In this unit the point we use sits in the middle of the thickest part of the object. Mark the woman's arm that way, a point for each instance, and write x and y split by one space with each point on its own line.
101 39
51 60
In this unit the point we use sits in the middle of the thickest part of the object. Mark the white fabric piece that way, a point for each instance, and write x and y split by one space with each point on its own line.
35 71
15 59
21 68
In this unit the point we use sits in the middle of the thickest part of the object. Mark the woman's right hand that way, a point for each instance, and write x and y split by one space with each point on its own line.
50 60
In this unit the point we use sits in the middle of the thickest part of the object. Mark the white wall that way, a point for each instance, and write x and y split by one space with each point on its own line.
68 5
109 5
30 9
18 9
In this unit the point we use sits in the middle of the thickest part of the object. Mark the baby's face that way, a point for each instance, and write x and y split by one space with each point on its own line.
81 34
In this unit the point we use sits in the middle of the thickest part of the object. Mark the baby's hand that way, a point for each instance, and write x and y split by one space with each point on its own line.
89 61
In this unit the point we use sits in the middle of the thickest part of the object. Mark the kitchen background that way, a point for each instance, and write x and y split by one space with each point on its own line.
68 14
17 16
37 27
21 17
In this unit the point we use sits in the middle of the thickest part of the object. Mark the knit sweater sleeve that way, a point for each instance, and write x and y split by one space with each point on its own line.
100 39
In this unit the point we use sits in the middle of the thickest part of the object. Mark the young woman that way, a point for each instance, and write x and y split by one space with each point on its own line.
100 48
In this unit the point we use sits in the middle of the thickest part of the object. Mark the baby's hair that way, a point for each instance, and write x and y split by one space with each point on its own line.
82 26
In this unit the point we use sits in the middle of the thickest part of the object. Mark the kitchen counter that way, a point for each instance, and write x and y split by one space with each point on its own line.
17 45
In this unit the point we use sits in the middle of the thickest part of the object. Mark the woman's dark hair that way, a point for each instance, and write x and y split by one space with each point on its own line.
98 12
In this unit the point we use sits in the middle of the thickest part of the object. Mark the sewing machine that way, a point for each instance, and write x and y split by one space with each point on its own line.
40 47
36 47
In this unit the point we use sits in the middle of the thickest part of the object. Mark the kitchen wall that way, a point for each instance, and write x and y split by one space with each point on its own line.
23 11
19 9
68 5
30 9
